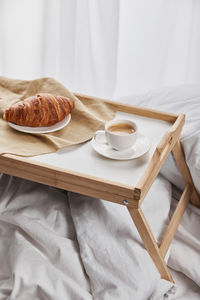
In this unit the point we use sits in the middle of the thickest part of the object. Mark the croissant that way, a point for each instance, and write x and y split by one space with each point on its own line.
39 110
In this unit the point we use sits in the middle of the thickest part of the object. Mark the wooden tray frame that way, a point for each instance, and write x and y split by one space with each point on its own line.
127 195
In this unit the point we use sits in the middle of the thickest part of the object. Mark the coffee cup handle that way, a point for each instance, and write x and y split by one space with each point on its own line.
99 137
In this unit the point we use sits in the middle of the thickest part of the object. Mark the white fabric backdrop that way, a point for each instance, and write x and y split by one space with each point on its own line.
107 48
72 41
159 44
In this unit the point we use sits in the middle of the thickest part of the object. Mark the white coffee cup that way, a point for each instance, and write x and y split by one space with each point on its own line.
120 134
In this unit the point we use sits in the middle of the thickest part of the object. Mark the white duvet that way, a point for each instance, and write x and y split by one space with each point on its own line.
39 254
113 254
40 257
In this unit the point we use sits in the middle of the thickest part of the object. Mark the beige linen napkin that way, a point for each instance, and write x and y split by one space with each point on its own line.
87 117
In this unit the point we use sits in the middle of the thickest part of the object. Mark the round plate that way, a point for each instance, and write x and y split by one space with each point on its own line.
46 129
141 146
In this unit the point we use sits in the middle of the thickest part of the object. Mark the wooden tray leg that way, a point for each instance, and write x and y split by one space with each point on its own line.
181 163
149 242
175 220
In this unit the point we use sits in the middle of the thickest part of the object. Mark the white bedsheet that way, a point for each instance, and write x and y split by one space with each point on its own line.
185 250
186 289
113 254
39 254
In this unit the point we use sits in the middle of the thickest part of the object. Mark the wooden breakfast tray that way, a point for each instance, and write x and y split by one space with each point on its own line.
79 169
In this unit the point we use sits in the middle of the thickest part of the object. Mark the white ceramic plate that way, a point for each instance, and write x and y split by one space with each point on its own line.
47 129
141 146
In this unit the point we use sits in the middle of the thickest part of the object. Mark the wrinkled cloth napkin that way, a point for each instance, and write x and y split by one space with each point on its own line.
87 117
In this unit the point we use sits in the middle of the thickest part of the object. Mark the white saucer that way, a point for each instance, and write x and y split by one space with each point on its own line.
141 146
47 129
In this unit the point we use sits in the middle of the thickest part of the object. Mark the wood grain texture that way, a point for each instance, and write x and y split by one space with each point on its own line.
141 111
150 242
160 155
175 220
184 170
67 179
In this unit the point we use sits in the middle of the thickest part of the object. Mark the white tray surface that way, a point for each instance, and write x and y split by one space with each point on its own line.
82 158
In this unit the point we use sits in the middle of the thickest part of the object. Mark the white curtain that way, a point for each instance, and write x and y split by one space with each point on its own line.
74 41
102 47
159 44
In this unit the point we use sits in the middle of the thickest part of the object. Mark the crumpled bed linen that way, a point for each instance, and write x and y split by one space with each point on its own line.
185 250
112 252
39 253
186 289
40 256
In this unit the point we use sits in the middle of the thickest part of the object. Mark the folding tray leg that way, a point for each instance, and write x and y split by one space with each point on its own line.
158 253
189 193
175 220
149 242
185 172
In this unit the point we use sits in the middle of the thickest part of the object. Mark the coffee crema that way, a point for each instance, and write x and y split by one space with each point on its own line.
121 128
